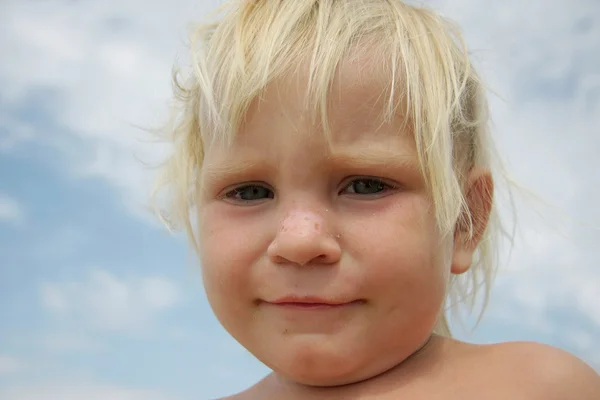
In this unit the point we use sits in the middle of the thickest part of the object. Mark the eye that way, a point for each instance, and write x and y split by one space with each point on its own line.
249 193
366 187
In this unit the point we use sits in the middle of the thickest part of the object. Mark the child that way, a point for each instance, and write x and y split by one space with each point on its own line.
335 154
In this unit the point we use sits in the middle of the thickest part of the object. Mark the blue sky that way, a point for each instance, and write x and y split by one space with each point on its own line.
98 301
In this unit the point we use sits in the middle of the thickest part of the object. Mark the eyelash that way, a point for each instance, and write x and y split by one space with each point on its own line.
231 194
384 185
381 184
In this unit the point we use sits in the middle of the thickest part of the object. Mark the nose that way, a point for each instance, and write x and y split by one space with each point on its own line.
303 239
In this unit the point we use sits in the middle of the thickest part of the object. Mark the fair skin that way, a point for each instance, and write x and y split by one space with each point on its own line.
325 261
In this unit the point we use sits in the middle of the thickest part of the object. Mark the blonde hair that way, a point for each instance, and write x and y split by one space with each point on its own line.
431 80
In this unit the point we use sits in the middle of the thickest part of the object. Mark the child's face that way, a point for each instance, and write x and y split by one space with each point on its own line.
286 218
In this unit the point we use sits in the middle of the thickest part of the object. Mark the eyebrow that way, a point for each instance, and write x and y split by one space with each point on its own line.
367 158
234 168
375 158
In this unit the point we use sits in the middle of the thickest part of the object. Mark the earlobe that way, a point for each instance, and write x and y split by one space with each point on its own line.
480 194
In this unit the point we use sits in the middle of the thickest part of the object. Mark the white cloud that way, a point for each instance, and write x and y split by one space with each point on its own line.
16 132
108 66
66 342
580 339
10 365
158 293
54 298
78 392
10 209
107 302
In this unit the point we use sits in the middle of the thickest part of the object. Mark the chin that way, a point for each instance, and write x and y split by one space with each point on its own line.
322 376
320 367
336 362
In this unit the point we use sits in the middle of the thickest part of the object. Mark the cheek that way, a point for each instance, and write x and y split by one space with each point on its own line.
402 254
227 252
226 258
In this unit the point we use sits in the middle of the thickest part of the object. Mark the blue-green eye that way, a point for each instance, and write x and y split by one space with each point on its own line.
366 186
249 193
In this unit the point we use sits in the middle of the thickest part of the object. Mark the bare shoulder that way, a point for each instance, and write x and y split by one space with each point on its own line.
544 371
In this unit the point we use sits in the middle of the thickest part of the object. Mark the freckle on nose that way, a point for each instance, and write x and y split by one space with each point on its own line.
301 222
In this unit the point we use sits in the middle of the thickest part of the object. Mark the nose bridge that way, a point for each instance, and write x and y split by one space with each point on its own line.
302 223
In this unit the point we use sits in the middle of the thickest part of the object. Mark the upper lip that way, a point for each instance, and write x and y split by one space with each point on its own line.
307 300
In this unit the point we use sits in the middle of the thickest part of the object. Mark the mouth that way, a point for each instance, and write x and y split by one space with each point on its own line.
311 303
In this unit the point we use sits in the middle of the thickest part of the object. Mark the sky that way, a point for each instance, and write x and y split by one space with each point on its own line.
99 301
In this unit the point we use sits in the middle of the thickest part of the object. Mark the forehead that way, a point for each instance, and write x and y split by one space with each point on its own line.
357 98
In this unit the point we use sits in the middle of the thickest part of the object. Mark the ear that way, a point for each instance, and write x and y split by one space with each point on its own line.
480 195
